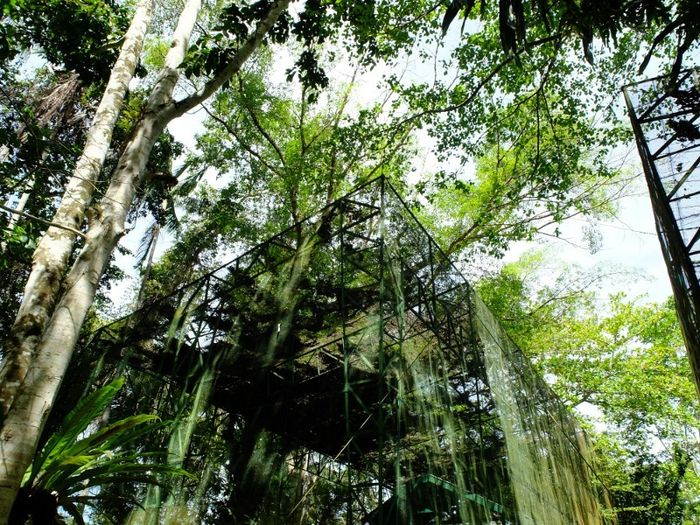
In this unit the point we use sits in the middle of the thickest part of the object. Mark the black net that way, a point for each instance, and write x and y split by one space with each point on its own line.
345 372
665 116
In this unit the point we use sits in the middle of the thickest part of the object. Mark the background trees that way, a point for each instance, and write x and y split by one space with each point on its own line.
621 365
508 94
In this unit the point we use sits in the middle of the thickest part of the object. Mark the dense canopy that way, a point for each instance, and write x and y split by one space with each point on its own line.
144 144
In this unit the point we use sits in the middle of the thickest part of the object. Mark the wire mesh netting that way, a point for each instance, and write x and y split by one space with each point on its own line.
665 117
345 372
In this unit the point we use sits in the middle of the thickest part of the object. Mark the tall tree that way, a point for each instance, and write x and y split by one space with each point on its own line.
277 159
532 88
52 254
47 356
522 185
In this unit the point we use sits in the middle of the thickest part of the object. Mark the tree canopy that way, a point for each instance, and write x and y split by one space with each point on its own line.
497 121
622 364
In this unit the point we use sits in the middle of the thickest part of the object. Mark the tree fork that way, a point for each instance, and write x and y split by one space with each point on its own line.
24 422
50 259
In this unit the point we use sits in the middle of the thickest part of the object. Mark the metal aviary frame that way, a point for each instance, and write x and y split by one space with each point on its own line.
665 117
355 366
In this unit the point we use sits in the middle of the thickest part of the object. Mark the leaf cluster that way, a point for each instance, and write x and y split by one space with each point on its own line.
79 459
81 36
654 495
622 364
524 183
371 30
588 20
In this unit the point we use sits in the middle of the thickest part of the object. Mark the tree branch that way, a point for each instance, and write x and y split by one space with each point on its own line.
181 107
236 136
261 129
43 221
488 78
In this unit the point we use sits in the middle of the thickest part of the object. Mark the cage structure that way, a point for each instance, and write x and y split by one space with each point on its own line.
356 378
665 116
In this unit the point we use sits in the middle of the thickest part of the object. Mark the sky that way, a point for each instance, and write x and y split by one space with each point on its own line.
627 244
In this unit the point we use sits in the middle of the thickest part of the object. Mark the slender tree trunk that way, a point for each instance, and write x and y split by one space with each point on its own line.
51 256
19 208
23 424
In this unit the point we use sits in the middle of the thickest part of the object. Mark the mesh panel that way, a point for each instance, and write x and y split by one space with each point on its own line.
352 376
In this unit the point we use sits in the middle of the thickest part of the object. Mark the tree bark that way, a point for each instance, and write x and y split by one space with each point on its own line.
24 422
51 256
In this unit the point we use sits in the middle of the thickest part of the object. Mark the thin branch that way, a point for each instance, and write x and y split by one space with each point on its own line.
236 136
336 123
261 129
569 291
659 38
557 237
488 78
43 221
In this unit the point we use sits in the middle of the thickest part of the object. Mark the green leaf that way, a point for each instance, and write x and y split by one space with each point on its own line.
75 423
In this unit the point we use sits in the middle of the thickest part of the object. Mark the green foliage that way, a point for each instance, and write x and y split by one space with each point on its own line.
370 30
588 20
537 125
540 159
82 458
622 364
277 159
653 494
79 35
155 50
522 184
540 113
20 243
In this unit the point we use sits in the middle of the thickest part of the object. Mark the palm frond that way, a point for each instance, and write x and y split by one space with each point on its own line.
189 183
150 236
74 424
74 460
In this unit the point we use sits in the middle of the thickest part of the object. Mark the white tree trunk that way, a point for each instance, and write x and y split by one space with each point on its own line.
23 424
51 256
21 204
22 427
49 265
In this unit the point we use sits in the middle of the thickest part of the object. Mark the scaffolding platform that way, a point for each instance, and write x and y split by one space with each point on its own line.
353 338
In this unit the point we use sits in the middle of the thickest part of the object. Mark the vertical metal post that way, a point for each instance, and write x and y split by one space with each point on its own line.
347 388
